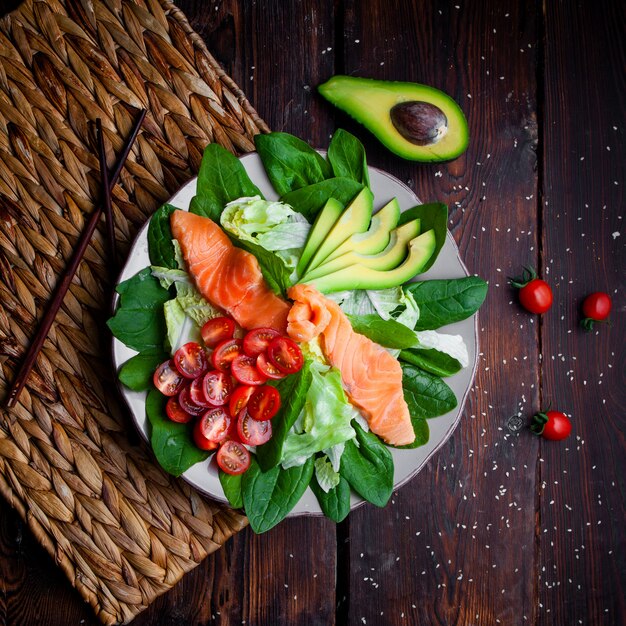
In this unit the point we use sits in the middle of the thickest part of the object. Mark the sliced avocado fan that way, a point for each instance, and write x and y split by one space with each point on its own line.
358 277
388 259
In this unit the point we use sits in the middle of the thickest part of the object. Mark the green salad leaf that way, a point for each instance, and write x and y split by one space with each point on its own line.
388 333
309 200
435 216
346 156
221 178
160 246
138 322
293 392
137 372
289 162
325 419
335 503
367 465
432 361
268 497
232 486
171 442
443 302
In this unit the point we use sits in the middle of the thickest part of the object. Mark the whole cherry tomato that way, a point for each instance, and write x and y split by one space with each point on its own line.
552 425
596 308
535 295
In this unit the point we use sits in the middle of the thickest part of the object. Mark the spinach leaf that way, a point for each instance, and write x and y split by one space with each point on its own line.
433 215
290 163
232 488
427 395
335 503
160 247
388 333
171 442
274 270
347 157
137 372
432 361
269 496
446 301
369 467
310 200
221 179
139 322
293 391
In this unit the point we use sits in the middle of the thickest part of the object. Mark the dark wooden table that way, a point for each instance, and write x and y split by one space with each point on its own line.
498 528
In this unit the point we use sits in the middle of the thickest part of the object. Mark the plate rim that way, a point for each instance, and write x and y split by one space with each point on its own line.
447 434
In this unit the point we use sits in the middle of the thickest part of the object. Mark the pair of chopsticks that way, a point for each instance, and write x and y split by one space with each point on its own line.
108 183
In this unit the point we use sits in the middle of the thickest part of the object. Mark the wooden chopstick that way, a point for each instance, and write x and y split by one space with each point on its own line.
44 327
106 196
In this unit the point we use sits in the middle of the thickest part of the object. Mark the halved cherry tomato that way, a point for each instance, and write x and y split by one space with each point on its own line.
268 369
253 432
245 371
175 411
233 458
200 440
225 354
264 403
217 387
286 355
196 393
191 360
187 405
214 425
257 340
239 399
167 379
217 330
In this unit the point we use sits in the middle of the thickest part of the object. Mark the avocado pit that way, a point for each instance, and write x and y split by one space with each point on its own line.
421 123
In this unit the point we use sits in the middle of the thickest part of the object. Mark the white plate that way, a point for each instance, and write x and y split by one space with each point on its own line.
203 476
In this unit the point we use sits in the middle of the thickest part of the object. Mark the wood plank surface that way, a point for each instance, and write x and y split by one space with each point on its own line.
498 528
582 566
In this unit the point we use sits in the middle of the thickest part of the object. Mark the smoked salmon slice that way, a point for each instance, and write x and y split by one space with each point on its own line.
371 377
228 277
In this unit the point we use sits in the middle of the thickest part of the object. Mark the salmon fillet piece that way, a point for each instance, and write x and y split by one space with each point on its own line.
371 377
228 277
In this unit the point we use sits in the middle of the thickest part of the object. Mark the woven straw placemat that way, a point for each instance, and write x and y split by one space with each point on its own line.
121 529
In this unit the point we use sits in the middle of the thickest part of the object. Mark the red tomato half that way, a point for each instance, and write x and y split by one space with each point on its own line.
200 440
239 399
217 330
264 403
167 379
286 355
225 354
187 405
257 340
253 432
233 458
245 371
175 411
267 369
190 360
217 387
214 425
536 296
596 306
196 393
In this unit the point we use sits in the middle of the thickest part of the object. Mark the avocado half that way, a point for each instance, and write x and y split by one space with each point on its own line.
414 121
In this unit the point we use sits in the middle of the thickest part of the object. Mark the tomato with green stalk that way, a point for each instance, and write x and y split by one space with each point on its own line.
535 295
552 425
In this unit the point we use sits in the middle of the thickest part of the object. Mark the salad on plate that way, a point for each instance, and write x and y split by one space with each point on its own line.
287 339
